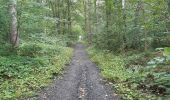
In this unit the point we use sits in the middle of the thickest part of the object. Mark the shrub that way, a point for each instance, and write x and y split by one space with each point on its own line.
130 84
29 49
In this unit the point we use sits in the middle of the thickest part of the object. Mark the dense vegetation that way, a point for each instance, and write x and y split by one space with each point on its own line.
130 43
38 51
128 39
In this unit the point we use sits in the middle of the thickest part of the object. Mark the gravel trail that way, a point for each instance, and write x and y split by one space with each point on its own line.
81 81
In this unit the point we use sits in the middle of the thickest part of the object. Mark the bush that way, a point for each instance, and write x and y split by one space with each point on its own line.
31 67
7 50
21 75
29 49
131 84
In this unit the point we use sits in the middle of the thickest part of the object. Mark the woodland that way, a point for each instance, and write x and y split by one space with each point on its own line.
128 39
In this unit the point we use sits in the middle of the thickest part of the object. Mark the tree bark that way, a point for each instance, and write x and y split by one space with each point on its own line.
168 23
124 22
85 14
14 36
95 12
69 16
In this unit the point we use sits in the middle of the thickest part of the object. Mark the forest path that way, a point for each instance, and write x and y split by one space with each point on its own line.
80 82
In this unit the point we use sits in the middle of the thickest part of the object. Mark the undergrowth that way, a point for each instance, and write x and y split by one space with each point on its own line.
31 67
129 82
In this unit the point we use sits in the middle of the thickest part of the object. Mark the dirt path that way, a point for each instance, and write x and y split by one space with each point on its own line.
80 82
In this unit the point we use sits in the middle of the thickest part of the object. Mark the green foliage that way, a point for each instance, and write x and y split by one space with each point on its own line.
112 67
167 50
129 76
29 49
167 53
77 30
32 66
41 54
141 24
6 50
4 21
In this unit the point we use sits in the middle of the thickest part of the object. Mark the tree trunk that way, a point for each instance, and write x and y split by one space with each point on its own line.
136 40
69 16
95 12
58 12
168 2
124 22
14 36
168 23
89 20
85 14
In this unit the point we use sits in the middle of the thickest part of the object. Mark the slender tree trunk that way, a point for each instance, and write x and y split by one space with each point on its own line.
89 21
69 16
95 12
168 2
168 23
64 21
124 22
108 16
136 25
89 16
59 17
14 36
85 14
108 11
144 29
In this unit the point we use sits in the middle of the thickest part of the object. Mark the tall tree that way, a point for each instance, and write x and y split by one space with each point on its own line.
14 35
69 16
168 23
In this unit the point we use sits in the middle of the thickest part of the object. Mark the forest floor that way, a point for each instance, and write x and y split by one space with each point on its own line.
81 81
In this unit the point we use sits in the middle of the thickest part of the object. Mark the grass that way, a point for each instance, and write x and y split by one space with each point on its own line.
129 84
